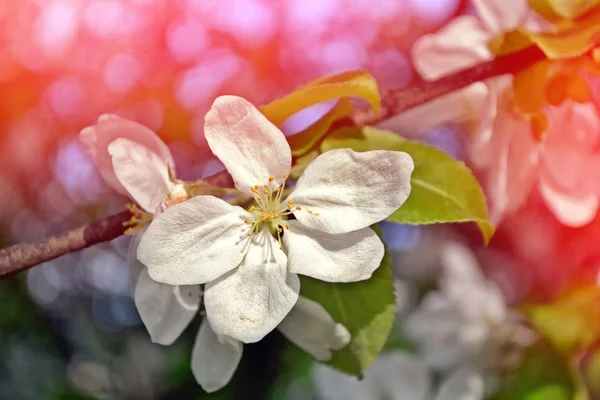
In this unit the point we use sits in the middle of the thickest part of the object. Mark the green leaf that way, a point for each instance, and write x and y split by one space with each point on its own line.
367 309
543 375
443 189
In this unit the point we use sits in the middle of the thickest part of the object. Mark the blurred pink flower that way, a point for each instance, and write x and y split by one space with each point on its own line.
132 159
462 43
561 164
502 146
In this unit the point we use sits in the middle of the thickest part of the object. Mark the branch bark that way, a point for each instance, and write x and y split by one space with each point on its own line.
397 101
22 256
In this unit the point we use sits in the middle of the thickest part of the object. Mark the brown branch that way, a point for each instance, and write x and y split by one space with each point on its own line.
397 101
22 256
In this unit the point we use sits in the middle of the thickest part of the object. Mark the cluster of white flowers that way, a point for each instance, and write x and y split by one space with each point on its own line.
463 332
244 263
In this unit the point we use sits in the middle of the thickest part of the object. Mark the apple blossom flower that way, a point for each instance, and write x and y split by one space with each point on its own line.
558 165
465 323
397 375
514 163
135 161
462 43
249 259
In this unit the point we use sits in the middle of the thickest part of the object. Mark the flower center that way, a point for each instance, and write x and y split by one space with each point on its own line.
270 208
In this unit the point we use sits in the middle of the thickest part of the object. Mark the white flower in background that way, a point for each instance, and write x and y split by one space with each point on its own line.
466 322
460 44
396 375
249 259
216 357
134 161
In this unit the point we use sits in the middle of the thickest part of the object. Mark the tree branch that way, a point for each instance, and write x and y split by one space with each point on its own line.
397 101
22 256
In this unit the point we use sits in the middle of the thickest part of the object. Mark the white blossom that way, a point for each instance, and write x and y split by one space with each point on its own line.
136 162
396 375
308 326
249 259
142 166
466 323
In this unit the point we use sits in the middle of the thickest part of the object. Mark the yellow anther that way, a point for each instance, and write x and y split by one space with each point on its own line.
308 211
279 229
284 176
278 188
266 191
271 179
252 209
287 226
298 208
253 189
316 214
246 220
258 198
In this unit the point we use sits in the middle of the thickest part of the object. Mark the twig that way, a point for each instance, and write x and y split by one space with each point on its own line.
23 256
397 101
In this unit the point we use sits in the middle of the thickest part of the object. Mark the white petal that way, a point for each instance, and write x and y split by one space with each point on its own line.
501 15
570 211
135 266
250 146
96 139
142 173
331 384
250 301
460 44
350 190
346 257
312 329
461 385
399 375
195 241
465 285
165 310
394 375
214 359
